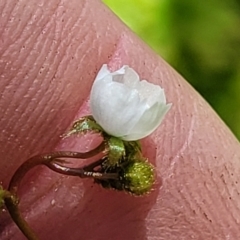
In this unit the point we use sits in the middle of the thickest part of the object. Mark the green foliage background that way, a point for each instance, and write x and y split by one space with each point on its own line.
200 39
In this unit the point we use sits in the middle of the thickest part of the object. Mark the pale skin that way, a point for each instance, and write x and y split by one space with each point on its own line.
50 52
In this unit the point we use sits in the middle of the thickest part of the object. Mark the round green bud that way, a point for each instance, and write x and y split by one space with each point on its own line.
138 177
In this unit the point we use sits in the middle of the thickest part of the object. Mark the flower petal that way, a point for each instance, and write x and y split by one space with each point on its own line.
103 72
114 105
126 107
148 122
129 78
151 92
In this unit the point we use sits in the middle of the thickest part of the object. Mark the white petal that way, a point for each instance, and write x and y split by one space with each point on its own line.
148 122
152 93
115 107
130 78
126 107
103 72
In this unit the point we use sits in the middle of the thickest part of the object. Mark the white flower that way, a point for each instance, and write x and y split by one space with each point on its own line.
126 107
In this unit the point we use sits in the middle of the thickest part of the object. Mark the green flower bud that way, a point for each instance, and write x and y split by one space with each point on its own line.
138 177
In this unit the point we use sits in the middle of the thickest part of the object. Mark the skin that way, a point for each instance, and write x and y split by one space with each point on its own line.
50 52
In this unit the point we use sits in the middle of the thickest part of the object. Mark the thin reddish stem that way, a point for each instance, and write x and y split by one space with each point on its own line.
82 172
44 159
11 200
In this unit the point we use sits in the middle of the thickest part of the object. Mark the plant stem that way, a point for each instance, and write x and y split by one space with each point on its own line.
44 159
83 172
11 203
10 197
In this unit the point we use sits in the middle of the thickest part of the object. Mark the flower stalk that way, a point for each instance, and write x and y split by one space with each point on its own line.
11 202
9 197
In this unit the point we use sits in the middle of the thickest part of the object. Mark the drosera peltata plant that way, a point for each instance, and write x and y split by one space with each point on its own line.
124 110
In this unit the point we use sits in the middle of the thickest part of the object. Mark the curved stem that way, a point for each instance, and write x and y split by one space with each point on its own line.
44 159
82 172
11 200
11 203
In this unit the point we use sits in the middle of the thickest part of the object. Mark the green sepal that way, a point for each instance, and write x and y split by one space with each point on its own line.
133 150
84 125
116 151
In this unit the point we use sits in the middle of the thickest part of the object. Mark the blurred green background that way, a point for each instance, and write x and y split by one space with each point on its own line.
200 39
